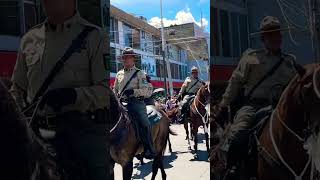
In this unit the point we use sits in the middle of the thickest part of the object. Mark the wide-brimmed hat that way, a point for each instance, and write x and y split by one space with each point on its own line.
269 24
194 69
128 51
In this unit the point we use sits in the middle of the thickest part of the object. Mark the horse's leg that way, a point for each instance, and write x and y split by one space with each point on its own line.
163 172
170 148
187 132
155 167
127 171
195 132
185 124
111 170
192 135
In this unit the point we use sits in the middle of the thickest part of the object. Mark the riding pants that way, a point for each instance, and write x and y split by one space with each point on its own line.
237 143
137 110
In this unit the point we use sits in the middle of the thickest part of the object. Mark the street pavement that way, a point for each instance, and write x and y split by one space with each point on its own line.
179 165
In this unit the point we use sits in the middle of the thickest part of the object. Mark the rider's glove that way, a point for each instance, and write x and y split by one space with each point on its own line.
128 92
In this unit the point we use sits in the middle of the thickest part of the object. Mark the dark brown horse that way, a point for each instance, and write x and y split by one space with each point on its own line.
22 154
198 116
291 132
125 145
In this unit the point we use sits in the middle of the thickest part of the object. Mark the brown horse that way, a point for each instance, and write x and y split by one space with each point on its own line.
198 116
125 145
23 156
294 123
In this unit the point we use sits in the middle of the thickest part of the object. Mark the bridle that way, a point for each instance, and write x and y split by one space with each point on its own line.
205 118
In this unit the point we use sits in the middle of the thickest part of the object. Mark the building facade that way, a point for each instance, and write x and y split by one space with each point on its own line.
127 30
234 27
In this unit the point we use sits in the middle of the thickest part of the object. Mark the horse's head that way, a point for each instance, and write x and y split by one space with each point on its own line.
204 93
309 97
16 150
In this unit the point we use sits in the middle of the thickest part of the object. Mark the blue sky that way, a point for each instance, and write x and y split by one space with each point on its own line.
174 11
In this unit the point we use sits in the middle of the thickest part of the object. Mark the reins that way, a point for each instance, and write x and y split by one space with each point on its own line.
205 117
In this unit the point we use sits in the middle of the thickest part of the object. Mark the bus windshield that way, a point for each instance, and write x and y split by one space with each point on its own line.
9 18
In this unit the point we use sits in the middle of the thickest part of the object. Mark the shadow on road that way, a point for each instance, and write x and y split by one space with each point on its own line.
146 169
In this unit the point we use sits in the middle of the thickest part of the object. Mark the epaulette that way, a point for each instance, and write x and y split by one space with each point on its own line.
252 51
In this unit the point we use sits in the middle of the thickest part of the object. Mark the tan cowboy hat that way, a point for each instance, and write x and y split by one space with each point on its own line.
128 51
194 69
269 24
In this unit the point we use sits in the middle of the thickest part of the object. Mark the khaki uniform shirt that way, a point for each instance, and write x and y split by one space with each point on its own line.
188 83
253 65
84 71
139 83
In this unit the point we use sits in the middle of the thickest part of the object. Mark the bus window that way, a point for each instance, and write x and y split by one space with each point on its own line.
30 15
90 10
9 18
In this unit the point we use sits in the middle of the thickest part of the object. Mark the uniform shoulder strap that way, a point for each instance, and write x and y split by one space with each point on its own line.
192 86
128 82
75 46
268 74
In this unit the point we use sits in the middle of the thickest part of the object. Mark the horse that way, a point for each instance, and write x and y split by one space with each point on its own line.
124 144
287 147
198 116
23 156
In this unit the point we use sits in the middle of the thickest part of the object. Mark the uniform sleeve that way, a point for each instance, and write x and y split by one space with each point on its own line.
97 95
19 81
184 87
236 81
116 85
144 87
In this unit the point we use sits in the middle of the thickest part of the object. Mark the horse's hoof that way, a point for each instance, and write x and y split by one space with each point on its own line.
195 156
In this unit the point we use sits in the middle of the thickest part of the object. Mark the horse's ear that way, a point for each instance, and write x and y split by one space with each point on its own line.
316 81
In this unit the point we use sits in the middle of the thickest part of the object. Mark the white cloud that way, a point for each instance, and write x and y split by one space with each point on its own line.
182 17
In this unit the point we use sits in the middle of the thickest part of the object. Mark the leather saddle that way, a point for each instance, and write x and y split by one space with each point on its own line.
154 115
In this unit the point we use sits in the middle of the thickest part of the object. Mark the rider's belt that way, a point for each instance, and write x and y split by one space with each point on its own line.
98 116
190 94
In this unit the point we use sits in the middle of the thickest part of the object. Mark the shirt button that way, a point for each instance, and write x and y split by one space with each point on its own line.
92 116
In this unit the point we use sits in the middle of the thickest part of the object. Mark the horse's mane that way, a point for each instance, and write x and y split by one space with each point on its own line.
289 97
16 149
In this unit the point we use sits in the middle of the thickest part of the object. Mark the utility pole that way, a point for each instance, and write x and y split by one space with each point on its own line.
314 15
166 61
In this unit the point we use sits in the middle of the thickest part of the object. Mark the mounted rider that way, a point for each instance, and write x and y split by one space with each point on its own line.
261 75
188 90
60 63
131 85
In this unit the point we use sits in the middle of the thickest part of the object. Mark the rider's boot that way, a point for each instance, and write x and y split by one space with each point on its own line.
149 152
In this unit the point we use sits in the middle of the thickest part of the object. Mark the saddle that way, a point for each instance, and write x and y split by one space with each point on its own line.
154 115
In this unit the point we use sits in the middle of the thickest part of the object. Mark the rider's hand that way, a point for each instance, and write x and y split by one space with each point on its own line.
128 92
57 98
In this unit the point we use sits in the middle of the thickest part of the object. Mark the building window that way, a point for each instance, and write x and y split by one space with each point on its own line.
113 60
127 34
215 33
225 33
114 30
9 18
243 32
235 35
